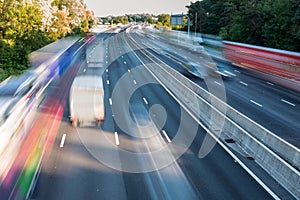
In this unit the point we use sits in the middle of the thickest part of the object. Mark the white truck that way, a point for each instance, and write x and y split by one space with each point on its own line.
86 101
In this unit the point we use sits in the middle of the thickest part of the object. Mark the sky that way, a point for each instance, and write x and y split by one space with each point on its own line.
104 8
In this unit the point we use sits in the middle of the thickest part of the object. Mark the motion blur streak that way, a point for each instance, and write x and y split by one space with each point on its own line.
40 138
284 65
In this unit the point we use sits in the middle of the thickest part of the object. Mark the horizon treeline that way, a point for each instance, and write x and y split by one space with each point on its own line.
269 23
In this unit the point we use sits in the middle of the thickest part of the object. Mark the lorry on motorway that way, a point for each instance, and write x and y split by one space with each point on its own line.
87 100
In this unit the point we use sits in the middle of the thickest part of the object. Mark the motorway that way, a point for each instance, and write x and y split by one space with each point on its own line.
274 107
132 154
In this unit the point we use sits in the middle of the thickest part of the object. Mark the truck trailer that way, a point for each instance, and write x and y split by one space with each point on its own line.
87 101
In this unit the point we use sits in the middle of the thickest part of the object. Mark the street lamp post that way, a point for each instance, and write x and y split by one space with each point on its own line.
189 23
196 24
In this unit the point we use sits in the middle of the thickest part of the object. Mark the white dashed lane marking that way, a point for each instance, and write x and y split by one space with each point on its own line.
62 142
254 102
287 102
243 83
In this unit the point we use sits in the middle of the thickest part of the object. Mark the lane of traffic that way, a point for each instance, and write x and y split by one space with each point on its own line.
256 96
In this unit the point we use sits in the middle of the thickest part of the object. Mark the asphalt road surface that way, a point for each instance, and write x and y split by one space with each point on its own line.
132 155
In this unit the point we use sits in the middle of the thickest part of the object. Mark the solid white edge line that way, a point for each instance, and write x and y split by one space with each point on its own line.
256 103
145 100
166 136
117 138
221 144
287 102
216 138
62 142
5 81
110 101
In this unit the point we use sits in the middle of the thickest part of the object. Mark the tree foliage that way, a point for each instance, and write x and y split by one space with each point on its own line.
271 23
163 20
120 19
139 18
26 27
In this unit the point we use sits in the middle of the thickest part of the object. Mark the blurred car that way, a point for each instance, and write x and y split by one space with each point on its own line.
194 70
12 112
14 107
224 72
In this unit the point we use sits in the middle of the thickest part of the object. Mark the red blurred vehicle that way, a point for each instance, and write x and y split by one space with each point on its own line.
280 63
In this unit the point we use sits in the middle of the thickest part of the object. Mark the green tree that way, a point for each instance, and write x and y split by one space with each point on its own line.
150 20
164 19
197 15
20 34
22 31
271 23
282 24
18 20
60 25
245 25
121 19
